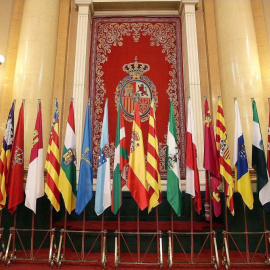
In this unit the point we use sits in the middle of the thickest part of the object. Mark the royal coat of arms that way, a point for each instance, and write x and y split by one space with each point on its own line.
135 88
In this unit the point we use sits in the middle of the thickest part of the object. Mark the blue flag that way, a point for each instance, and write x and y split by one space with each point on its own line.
103 188
85 184
242 177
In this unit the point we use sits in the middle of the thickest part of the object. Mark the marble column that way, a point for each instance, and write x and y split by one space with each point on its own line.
80 86
191 71
34 73
239 66
266 11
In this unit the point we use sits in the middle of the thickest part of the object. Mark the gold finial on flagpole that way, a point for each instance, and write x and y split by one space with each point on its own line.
55 102
14 102
39 101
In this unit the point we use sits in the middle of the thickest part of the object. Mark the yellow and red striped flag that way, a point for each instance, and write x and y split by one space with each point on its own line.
224 156
53 163
137 183
152 168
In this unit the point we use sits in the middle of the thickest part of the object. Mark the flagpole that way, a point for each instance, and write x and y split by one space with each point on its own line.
83 236
102 234
65 228
51 206
55 100
15 214
264 220
138 235
191 224
246 230
191 228
172 230
32 235
226 212
14 227
266 234
225 197
158 236
210 214
33 214
226 206
118 236
51 220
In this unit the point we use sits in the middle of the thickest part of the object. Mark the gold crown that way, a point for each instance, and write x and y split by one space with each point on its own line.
136 69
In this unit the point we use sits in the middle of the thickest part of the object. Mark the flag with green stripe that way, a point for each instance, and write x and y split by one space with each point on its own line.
172 164
120 162
67 178
259 161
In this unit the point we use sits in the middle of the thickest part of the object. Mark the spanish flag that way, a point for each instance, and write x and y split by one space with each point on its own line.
242 177
136 174
67 178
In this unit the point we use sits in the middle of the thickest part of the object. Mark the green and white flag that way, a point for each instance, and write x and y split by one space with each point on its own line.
172 166
259 162
120 163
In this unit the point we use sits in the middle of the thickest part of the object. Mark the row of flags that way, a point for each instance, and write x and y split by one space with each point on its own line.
218 164
141 176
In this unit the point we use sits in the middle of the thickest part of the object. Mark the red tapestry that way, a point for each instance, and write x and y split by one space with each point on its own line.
137 59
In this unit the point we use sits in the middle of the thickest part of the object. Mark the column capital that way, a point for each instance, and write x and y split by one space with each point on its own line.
187 6
84 6
83 2
189 2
